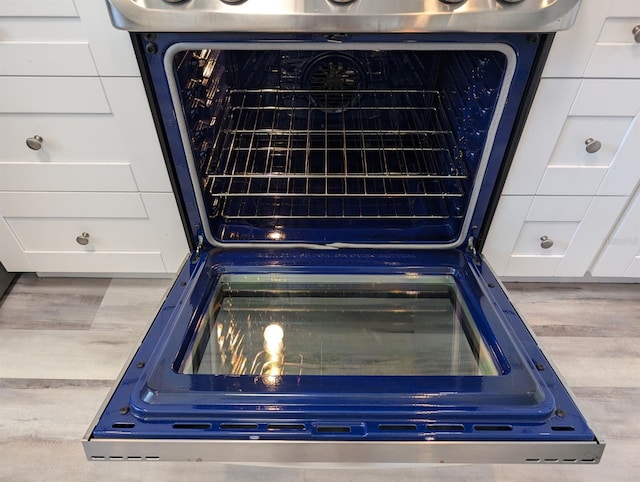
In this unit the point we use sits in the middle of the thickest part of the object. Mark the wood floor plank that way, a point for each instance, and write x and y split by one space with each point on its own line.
48 414
61 354
612 411
583 310
595 362
130 304
52 303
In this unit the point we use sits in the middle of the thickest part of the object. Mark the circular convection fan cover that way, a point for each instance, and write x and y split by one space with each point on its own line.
334 80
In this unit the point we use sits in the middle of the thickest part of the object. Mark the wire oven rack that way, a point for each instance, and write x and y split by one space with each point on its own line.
301 154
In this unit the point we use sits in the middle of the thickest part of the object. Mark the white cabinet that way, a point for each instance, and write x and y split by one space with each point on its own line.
83 185
620 256
578 162
543 236
601 43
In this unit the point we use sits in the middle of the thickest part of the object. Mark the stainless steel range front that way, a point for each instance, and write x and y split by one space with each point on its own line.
337 164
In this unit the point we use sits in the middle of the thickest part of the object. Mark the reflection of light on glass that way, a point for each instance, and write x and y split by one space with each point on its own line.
275 235
273 346
271 380
273 336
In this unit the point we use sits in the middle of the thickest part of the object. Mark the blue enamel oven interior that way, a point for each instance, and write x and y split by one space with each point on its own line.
517 396
385 146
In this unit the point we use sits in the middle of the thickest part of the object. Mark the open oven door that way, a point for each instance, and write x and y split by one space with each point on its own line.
287 357
336 310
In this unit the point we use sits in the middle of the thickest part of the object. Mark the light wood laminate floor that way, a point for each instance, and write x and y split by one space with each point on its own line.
63 341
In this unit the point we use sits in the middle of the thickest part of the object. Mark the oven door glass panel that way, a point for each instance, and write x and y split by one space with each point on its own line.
275 325
282 347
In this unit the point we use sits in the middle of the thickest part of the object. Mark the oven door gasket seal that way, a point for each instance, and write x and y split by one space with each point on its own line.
509 75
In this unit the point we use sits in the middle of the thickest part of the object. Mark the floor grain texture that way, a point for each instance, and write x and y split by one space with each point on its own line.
62 342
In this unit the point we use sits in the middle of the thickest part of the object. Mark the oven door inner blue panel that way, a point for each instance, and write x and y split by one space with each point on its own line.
416 346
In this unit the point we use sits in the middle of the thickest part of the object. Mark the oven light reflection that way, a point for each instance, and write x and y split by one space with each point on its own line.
273 336
275 235
274 347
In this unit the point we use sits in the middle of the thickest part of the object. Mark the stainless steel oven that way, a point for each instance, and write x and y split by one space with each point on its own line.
337 164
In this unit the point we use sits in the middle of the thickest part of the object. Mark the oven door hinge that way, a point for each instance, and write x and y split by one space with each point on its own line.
199 246
471 249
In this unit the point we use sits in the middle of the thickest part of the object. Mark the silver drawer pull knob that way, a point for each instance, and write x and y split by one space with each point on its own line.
545 242
636 33
83 239
34 143
593 146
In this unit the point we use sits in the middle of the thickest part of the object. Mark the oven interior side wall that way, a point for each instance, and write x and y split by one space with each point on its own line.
338 146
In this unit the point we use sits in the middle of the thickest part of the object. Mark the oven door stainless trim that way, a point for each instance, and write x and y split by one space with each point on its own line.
506 50
369 16
348 454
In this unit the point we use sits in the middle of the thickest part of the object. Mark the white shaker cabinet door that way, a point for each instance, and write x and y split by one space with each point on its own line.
97 123
547 236
111 48
621 254
137 133
72 232
583 155
12 256
38 8
602 43
44 46
545 122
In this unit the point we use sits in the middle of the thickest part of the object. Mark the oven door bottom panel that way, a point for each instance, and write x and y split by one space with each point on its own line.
340 356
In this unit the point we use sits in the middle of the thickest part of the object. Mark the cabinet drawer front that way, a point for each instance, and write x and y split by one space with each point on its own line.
65 138
87 232
37 8
46 59
600 44
534 236
38 31
72 205
607 97
66 234
44 46
587 148
565 244
572 148
545 121
111 48
96 262
558 209
621 254
62 95
572 180
616 53
125 134
43 176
